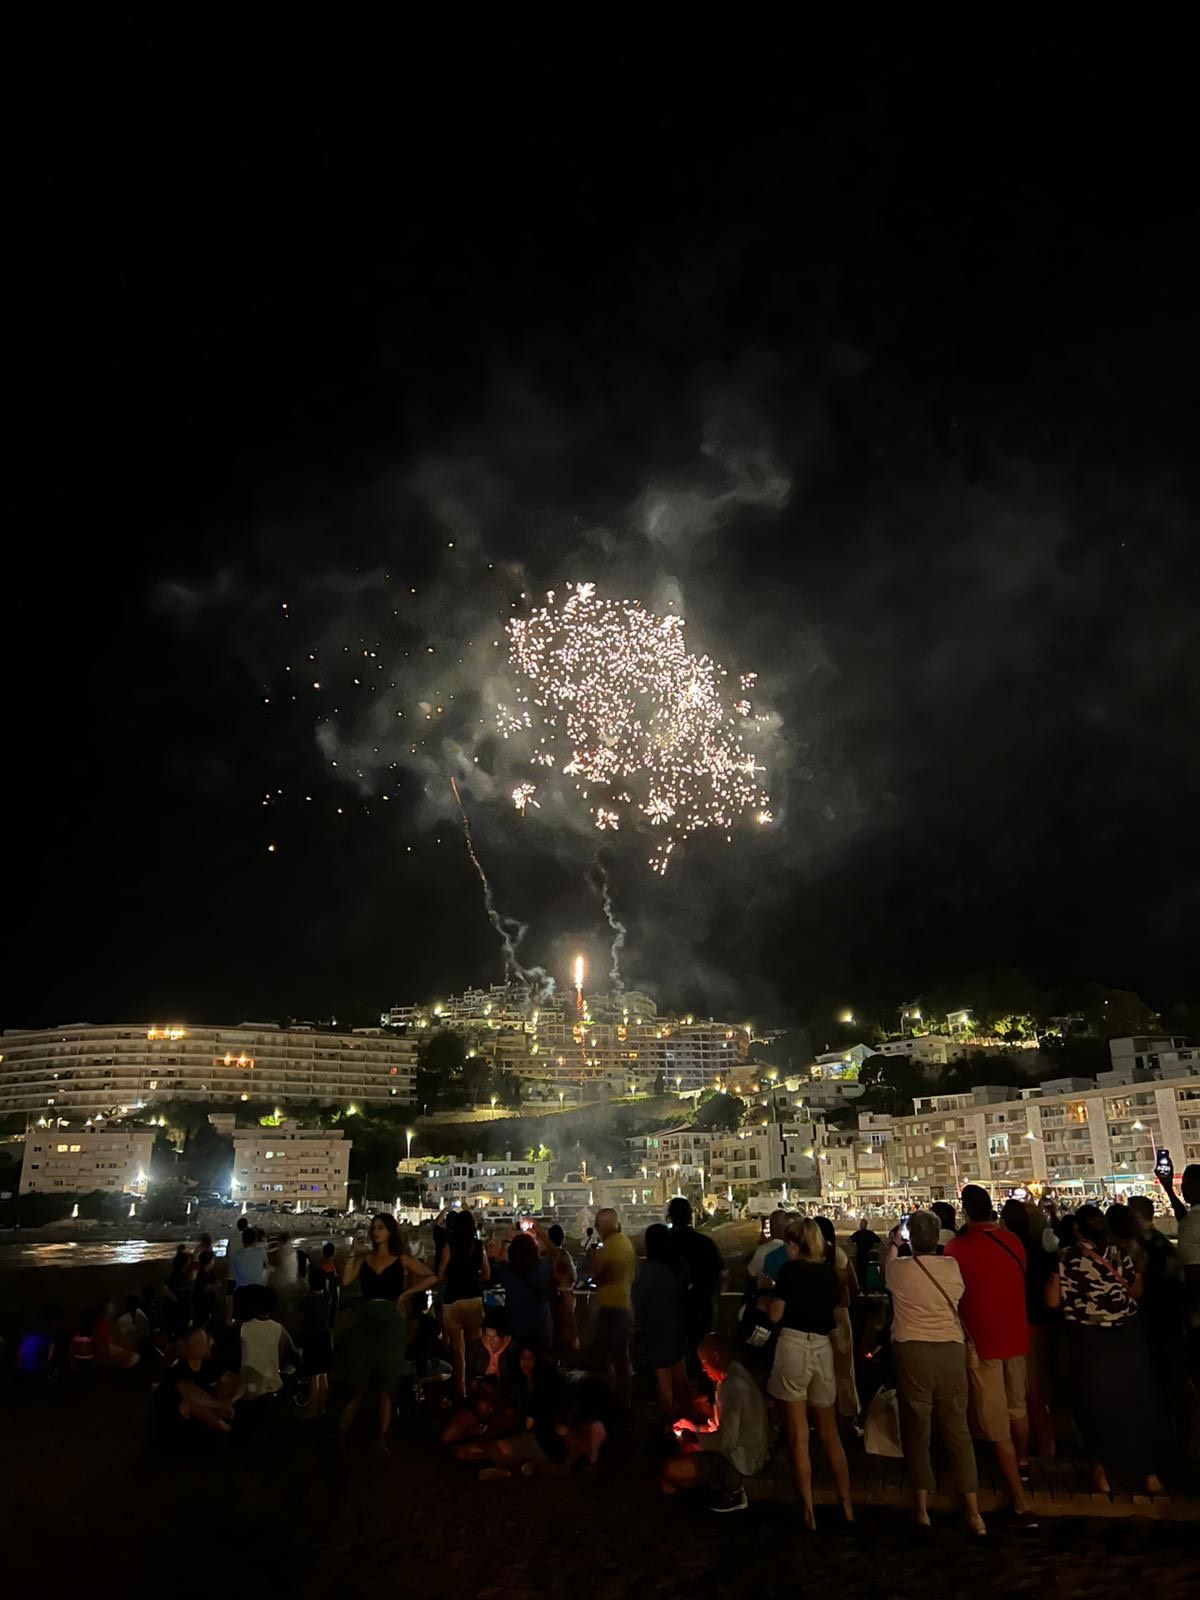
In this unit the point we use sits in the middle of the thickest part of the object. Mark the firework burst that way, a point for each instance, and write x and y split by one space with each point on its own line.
611 694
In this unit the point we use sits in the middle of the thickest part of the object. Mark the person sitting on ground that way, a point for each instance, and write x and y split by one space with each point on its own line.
194 1394
930 1360
566 1330
736 1446
132 1329
1113 1393
36 1350
658 1303
490 1411
538 1434
947 1222
992 1263
805 1297
266 1346
610 1313
109 1353
704 1272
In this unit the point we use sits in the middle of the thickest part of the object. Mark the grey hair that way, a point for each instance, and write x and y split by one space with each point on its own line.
923 1230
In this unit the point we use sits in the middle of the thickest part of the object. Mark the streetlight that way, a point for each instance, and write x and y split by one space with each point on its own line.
493 1105
408 1135
561 1093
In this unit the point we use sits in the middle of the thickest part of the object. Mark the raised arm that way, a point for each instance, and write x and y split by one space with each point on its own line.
1166 1176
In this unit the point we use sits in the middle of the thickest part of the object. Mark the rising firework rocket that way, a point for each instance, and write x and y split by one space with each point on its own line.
579 986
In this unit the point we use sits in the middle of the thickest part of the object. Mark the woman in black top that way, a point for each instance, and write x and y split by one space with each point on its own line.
803 1301
388 1276
462 1271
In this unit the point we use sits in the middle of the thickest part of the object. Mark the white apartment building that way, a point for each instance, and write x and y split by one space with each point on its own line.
767 1156
487 1183
1097 1139
685 1156
618 1046
75 1159
306 1168
930 1049
114 1068
1169 1055
836 1063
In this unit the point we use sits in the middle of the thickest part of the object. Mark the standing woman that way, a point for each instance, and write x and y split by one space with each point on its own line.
388 1275
804 1299
1113 1391
843 1331
462 1271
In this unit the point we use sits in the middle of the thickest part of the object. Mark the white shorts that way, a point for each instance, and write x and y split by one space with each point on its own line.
803 1368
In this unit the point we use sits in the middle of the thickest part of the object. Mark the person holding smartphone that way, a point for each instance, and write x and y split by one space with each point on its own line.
1113 1392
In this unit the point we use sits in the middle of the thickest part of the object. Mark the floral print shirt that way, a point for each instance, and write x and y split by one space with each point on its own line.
1095 1287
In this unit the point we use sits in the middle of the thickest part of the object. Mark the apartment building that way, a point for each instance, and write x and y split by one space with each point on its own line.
930 1049
685 1157
486 1184
114 1068
1076 1136
305 1168
70 1158
767 1156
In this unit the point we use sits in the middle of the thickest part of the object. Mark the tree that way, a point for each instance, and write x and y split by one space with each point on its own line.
166 1202
720 1111
208 1158
164 1158
660 1083
893 1082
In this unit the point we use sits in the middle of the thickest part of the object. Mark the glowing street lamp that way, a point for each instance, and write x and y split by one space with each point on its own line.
408 1138
493 1105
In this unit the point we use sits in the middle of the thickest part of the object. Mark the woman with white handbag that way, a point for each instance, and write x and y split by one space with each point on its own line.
930 1351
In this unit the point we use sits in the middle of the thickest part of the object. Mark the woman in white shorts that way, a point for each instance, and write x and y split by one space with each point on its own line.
805 1297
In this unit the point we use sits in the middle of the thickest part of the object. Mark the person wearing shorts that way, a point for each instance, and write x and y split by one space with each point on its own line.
610 1315
992 1262
463 1273
803 1301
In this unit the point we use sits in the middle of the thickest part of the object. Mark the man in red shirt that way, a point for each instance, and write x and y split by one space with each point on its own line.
992 1263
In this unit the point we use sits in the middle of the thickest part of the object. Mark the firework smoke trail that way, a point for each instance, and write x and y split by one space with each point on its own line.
536 981
619 929
511 932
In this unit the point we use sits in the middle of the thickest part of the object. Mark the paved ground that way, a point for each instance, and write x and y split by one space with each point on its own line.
90 1504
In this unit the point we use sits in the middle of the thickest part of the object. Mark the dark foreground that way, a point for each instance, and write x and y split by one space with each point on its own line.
86 1494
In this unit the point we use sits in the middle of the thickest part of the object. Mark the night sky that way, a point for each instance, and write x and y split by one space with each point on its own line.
879 367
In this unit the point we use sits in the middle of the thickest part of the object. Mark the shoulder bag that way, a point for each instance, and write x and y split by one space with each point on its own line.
968 1342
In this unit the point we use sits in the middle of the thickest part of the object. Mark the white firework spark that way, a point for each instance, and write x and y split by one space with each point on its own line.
522 796
628 709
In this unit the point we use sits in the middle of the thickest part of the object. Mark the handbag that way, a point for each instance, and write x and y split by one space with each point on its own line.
968 1343
881 1433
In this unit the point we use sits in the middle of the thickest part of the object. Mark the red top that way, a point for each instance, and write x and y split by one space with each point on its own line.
992 1263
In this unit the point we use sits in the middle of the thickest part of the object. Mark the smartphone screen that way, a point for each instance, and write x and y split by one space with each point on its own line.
904 1225
1162 1162
526 1225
